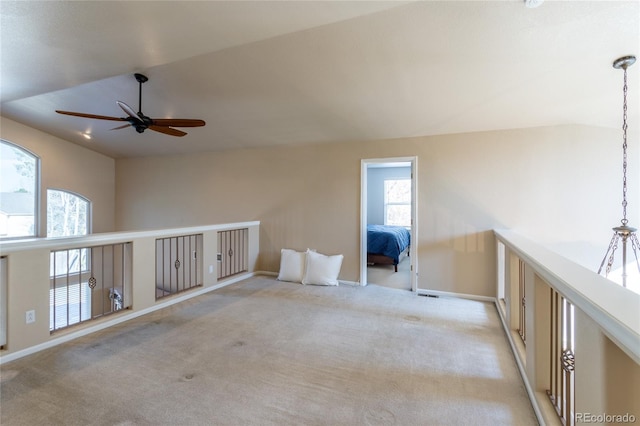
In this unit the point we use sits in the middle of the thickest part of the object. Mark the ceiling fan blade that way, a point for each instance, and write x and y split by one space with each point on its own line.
121 127
130 112
167 130
97 117
177 122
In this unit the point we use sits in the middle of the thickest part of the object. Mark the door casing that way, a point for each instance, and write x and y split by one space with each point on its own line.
413 249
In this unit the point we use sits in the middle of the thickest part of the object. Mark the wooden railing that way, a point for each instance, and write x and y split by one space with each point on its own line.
27 268
581 361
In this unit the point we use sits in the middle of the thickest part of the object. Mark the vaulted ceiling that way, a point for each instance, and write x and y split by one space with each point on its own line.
264 73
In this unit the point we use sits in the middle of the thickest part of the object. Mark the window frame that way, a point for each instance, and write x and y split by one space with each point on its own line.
37 220
387 203
89 218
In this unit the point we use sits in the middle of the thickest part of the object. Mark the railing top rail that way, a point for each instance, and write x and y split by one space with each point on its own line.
614 308
7 247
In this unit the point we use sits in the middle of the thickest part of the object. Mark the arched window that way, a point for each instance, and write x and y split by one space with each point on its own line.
68 214
19 189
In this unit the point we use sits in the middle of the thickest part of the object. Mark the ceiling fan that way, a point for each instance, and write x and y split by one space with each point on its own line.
141 122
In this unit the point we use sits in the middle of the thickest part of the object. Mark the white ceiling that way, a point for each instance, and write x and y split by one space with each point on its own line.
263 73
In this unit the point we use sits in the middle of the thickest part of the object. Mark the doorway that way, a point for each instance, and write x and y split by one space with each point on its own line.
389 199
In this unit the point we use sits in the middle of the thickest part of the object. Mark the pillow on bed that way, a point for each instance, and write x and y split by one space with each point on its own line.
321 269
292 265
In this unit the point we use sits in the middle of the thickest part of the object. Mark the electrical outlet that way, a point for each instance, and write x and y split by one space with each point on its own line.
30 317
211 269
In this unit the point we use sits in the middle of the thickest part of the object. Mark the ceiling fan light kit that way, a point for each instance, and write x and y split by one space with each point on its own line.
141 122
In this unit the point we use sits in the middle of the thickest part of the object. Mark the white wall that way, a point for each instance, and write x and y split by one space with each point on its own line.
64 165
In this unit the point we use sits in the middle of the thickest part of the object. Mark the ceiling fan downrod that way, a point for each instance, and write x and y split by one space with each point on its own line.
145 122
140 78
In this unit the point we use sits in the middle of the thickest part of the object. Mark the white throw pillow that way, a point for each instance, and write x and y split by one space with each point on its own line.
292 264
322 269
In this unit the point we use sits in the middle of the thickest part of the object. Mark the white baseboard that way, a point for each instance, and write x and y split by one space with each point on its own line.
350 283
459 295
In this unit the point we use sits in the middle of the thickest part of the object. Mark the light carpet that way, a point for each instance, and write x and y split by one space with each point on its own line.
385 275
264 352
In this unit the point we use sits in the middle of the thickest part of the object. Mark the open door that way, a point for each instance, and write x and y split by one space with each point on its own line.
368 168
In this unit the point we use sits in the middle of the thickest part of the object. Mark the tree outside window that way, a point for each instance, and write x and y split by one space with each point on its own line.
397 202
67 214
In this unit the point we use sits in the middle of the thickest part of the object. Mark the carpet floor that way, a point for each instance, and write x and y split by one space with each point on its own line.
264 352
385 275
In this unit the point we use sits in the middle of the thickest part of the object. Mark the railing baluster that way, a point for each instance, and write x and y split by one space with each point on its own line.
179 264
70 282
521 304
67 285
232 246
562 364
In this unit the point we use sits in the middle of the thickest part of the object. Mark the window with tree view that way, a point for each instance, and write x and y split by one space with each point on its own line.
18 191
397 202
67 214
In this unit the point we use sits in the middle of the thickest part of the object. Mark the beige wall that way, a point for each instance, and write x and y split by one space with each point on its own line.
67 166
555 184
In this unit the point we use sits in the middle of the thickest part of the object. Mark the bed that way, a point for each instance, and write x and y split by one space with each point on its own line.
387 244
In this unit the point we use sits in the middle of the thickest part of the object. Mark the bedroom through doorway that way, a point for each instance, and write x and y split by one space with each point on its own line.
388 200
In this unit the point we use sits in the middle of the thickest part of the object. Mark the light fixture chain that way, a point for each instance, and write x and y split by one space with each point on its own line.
624 151
613 253
613 241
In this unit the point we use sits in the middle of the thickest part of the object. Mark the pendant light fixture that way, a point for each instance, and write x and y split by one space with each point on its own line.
624 233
